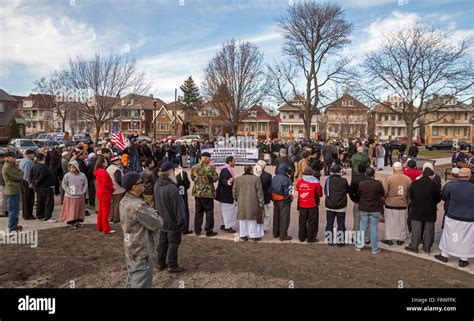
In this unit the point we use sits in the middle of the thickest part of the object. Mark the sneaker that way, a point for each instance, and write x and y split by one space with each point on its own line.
111 232
388 242
400 242
441 258
463 263
177 269
358 249
222 227
229 230
376 252
287 238
211 234
50 220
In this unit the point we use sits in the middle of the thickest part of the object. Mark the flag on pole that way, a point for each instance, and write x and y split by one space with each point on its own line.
118 140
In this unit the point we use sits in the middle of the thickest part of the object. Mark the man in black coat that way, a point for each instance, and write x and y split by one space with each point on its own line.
170 206
336 189
353 194
43 181
55 166
266 180
388 153
424 196
225 197
458 157
183 182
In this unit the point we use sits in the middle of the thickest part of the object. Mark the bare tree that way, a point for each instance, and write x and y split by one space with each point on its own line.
314 32
416 64
109 85
235 80
57 94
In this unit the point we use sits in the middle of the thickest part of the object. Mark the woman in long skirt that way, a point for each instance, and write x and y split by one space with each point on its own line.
105 188
74 185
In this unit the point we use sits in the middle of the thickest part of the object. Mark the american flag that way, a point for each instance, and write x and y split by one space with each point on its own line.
118 140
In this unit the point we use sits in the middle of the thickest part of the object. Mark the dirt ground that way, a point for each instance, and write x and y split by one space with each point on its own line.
85 258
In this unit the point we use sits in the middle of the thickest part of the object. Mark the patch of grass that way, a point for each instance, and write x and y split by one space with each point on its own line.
424 153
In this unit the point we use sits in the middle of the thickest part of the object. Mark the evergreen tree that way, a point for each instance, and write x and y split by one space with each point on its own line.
191 96
14 131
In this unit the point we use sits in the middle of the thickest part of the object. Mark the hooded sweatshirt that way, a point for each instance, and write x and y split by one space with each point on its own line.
74 185
281 186
309 191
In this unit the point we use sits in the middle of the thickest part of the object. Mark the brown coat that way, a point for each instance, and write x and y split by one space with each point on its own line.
397 189
248 195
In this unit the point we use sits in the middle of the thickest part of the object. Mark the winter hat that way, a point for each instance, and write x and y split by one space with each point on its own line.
464 172
429 165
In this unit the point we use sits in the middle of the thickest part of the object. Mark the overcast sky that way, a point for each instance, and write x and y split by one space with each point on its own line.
172 39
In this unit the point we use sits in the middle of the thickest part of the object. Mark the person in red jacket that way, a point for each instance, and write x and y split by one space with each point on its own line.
412 171
309 193
105 188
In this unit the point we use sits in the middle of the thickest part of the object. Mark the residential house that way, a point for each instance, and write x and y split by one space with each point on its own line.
38 113
8 111
386 122
346 118
259 122
206 122
455 119
291 121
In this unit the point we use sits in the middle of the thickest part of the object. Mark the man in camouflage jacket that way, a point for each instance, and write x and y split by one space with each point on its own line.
204 176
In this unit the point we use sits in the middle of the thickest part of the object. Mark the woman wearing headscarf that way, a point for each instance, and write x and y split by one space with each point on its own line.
74 185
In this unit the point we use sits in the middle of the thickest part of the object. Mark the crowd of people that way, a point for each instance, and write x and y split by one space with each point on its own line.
145 188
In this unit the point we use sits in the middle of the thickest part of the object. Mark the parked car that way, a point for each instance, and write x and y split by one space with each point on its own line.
188 139
82 138
58 137
447 145
403 140
172 138
20 145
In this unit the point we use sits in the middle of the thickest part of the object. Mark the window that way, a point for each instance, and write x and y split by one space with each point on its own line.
252 128
163 126
386 117
344 103
27 103
284 116
291 116
465 131
435 131
466 116
393 131
394 117
446 131
301 131
136 113
313 129
386 131
399 131
380 134
350 102
1 108
456 131
34 113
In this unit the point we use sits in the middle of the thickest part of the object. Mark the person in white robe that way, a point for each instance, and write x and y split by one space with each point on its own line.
458 233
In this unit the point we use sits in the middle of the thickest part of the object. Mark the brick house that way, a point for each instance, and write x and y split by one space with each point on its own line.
259 122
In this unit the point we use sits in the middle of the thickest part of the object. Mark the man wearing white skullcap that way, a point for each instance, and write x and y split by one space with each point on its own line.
396 206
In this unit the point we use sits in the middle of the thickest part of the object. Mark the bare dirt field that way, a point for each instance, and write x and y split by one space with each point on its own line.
85 258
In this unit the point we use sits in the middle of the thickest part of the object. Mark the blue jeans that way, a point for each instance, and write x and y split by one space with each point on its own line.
134 163
372 219
13 211
341 223
192 161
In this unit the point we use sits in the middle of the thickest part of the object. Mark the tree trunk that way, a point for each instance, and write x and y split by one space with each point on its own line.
63 124
97 132
409 124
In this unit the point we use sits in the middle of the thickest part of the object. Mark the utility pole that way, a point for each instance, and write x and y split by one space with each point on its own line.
175 111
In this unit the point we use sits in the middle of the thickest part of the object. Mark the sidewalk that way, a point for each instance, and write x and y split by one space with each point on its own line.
268 238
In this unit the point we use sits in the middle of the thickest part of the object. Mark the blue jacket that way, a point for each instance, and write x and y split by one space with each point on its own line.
281 187
461 201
